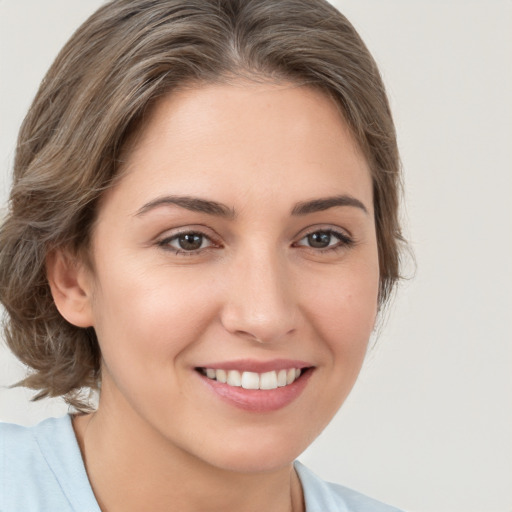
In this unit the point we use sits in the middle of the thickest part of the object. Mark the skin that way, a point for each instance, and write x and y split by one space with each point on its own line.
257 289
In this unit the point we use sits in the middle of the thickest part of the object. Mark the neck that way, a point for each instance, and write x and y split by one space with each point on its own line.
131 468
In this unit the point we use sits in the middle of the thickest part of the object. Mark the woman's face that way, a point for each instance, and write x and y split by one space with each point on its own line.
239 244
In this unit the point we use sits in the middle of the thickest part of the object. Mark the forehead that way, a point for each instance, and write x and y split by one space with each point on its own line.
256 137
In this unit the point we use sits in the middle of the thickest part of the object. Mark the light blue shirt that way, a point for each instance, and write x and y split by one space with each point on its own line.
41 470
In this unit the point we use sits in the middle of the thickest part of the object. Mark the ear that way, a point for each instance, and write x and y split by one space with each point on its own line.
71 285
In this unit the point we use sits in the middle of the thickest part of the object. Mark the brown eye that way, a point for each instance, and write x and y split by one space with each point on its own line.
190 241
186 242
325 239
320 239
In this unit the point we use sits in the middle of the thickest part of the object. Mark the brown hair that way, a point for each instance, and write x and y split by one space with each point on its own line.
126 55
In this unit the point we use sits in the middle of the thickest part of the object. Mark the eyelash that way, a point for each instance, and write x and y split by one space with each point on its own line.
165 243
344 241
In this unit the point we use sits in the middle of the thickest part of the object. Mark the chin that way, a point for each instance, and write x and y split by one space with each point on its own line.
258 453
245 462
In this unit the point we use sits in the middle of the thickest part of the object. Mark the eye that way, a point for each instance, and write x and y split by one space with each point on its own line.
325 239
186 242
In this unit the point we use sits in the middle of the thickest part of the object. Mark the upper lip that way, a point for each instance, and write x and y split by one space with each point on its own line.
252 365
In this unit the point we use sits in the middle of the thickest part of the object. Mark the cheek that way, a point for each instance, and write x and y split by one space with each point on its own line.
143 319
342 307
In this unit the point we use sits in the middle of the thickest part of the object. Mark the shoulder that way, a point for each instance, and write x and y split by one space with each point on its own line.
21 439
41 467
19 451
322 496
28 448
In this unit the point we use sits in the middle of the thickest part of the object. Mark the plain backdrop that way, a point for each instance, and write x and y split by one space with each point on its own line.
428 426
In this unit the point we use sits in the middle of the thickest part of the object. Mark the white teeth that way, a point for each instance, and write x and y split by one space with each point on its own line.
268 380
253 380
220 375
250 380
234 378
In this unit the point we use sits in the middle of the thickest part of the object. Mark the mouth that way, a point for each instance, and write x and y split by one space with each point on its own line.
252 380
263 391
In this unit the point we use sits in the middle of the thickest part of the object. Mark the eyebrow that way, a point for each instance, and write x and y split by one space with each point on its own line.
319 205
210 207
194 204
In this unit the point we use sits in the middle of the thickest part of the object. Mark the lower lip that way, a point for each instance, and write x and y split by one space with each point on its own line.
259 400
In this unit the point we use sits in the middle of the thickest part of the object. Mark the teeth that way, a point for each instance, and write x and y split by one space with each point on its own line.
268 380
281 378
252 380
220 375
234 378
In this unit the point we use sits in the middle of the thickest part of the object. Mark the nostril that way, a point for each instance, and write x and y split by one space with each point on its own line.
257 320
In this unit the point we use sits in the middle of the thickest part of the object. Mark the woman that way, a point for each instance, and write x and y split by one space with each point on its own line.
203 226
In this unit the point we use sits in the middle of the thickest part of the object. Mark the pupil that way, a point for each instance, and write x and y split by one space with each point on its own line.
190 242
319 240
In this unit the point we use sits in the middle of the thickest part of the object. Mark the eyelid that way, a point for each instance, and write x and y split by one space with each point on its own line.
345 238
172 234
308 230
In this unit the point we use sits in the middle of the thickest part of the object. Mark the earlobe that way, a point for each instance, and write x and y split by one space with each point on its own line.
71 286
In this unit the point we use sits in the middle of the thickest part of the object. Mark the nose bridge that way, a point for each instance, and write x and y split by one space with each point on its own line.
259 302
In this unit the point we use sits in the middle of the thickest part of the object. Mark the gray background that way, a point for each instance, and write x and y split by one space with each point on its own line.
428 426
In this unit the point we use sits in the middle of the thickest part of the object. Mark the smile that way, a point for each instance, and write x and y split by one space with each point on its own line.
256 386
252 380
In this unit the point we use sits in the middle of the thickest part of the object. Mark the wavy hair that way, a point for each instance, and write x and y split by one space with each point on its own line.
116 65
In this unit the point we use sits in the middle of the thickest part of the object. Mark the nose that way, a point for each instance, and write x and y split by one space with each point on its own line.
260 303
